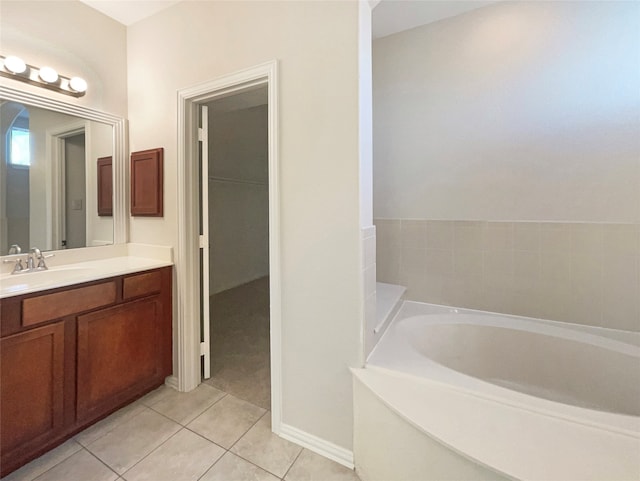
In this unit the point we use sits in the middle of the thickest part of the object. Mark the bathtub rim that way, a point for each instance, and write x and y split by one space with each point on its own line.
397 391
618 423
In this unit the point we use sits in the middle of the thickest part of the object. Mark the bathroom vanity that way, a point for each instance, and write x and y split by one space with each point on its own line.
71 355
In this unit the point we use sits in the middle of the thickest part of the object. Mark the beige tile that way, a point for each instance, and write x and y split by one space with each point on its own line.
621 307
252 385
439 234
265 449
80 466
227 420
413 261
388 233
156 395
555 237
234 468
497 263
432 290
44 462
468 235
585 304
463 292
498 236
587 238
183 407
421 287
586 269
183 457
312 467
109 423
526 236
621 239
467 262
413 234
526 264
555 300
388 266
523 299
555 266
129 442
620 270
438 262
493 295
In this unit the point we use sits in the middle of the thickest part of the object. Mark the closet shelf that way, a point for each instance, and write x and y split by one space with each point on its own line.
235 181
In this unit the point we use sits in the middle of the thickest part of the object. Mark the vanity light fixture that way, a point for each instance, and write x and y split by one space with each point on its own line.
15 68
49 75
15 65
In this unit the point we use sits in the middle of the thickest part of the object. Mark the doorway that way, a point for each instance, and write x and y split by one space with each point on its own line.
74 192
236 191
190 341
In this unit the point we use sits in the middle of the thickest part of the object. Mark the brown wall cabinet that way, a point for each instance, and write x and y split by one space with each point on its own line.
147 182
105 186
65 365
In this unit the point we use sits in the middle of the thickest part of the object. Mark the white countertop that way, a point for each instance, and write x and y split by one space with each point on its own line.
75 273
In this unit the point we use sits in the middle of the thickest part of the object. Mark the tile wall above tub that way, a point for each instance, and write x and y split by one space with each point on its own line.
585 273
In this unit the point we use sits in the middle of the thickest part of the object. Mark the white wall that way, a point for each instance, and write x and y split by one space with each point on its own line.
74 39
515 111
507 161
238 196
316 44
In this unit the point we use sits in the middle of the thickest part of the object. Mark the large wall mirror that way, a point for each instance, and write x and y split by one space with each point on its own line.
52 174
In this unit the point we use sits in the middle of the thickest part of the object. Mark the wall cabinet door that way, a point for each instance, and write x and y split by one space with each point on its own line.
119 355
31 387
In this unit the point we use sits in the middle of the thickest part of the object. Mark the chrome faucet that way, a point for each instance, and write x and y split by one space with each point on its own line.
35 262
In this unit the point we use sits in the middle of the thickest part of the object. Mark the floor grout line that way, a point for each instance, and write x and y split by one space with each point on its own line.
109 467
294 462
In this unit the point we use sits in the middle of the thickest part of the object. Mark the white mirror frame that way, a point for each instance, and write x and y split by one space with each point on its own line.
120 171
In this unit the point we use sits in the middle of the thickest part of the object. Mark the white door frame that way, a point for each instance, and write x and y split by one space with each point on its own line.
187 268
55 145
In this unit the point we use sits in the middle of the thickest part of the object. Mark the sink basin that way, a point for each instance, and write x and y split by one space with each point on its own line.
54 277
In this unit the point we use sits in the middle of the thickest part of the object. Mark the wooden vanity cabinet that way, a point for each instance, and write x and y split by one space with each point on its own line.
70 356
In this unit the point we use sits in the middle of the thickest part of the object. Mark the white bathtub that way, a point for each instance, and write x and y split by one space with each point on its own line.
504 396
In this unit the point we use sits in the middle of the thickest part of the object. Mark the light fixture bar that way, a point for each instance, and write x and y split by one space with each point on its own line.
46 77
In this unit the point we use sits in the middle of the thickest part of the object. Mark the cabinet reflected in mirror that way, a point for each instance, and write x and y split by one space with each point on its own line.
49 179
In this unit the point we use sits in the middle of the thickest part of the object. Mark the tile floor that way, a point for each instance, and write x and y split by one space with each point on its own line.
205 435
221 431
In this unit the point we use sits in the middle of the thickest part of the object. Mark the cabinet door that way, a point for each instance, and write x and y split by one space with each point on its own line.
119 355
31 386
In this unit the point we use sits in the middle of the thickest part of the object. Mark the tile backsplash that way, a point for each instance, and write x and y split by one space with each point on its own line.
587 273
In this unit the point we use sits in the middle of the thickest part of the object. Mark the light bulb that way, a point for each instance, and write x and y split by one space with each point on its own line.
15 64
78 84
48 75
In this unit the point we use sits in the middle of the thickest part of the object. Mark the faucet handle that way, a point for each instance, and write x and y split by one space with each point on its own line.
18 267
41 263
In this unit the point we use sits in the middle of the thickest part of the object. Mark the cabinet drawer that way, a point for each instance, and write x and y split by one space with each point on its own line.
141 285
60 304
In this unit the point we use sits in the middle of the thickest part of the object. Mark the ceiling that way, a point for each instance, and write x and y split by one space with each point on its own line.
393 16
129 12
389 16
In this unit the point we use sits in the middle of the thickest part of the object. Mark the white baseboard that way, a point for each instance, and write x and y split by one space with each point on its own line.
317 445
172 381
